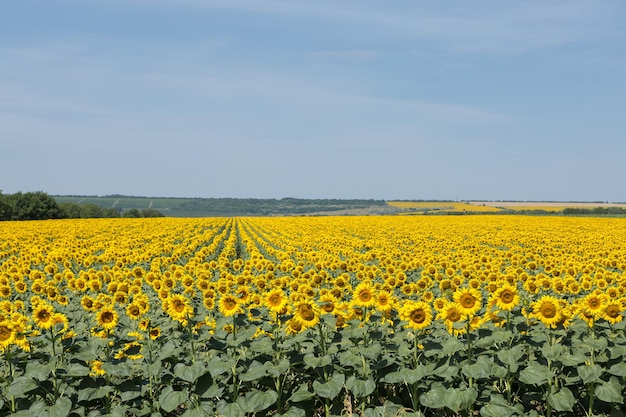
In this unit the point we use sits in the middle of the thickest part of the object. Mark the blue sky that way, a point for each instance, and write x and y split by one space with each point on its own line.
410 99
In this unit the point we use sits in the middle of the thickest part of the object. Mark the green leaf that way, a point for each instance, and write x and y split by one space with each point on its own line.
255 372
457 399
610 392
129 390
435 397
589 373
301 394
61 407
218 366
77 370
260 400
38 371
360 388
563 400
535 374
276 370
189 373
618 369
553 352
314 362
498 407
479 370
452 346
203 384
330 389
169 399
511 357
93 393
230 409
20 386
292 412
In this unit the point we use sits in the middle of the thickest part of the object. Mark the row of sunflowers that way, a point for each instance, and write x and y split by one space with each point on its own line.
372 316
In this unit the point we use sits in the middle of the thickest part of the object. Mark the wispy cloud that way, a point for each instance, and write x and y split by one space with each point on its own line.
485 26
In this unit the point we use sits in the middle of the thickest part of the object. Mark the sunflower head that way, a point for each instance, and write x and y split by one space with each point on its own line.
417 314
469 300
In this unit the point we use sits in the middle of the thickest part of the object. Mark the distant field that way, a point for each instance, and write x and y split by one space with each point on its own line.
545 206
441 206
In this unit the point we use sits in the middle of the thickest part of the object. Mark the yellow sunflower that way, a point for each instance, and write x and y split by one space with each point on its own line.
593 304
547 310
229 305
363 295
417 314
133 311
42 316
469 300
7 335
613 311
178 307
451 314
307 313
506 297
384 301
107 318
275 300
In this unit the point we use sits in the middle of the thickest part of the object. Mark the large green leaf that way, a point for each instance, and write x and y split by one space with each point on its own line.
314 362
39 371
360 388
20 386
93 393
618 369
169 399
436 397
610 391
189 373
589 373
301 394
255 372
457 399
535 374
330 389
479 370
61 407
260 400
563 400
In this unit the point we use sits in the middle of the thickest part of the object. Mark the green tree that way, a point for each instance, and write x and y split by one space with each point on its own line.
134 213
5 207
33 206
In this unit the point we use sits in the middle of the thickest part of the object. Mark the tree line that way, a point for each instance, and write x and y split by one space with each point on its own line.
41 206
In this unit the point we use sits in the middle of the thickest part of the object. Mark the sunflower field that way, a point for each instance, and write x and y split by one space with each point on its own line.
313 316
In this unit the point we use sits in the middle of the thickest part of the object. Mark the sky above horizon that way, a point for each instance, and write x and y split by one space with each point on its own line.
482 100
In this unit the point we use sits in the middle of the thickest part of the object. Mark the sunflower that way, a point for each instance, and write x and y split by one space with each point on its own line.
307 313
154 333
593 304
417 314
275 300
328 304
613 311
506 297
178 307
7 335
133 311
384 301
107 318
469 300
547 310
451 314
96 368
229 305
42 316
363 295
